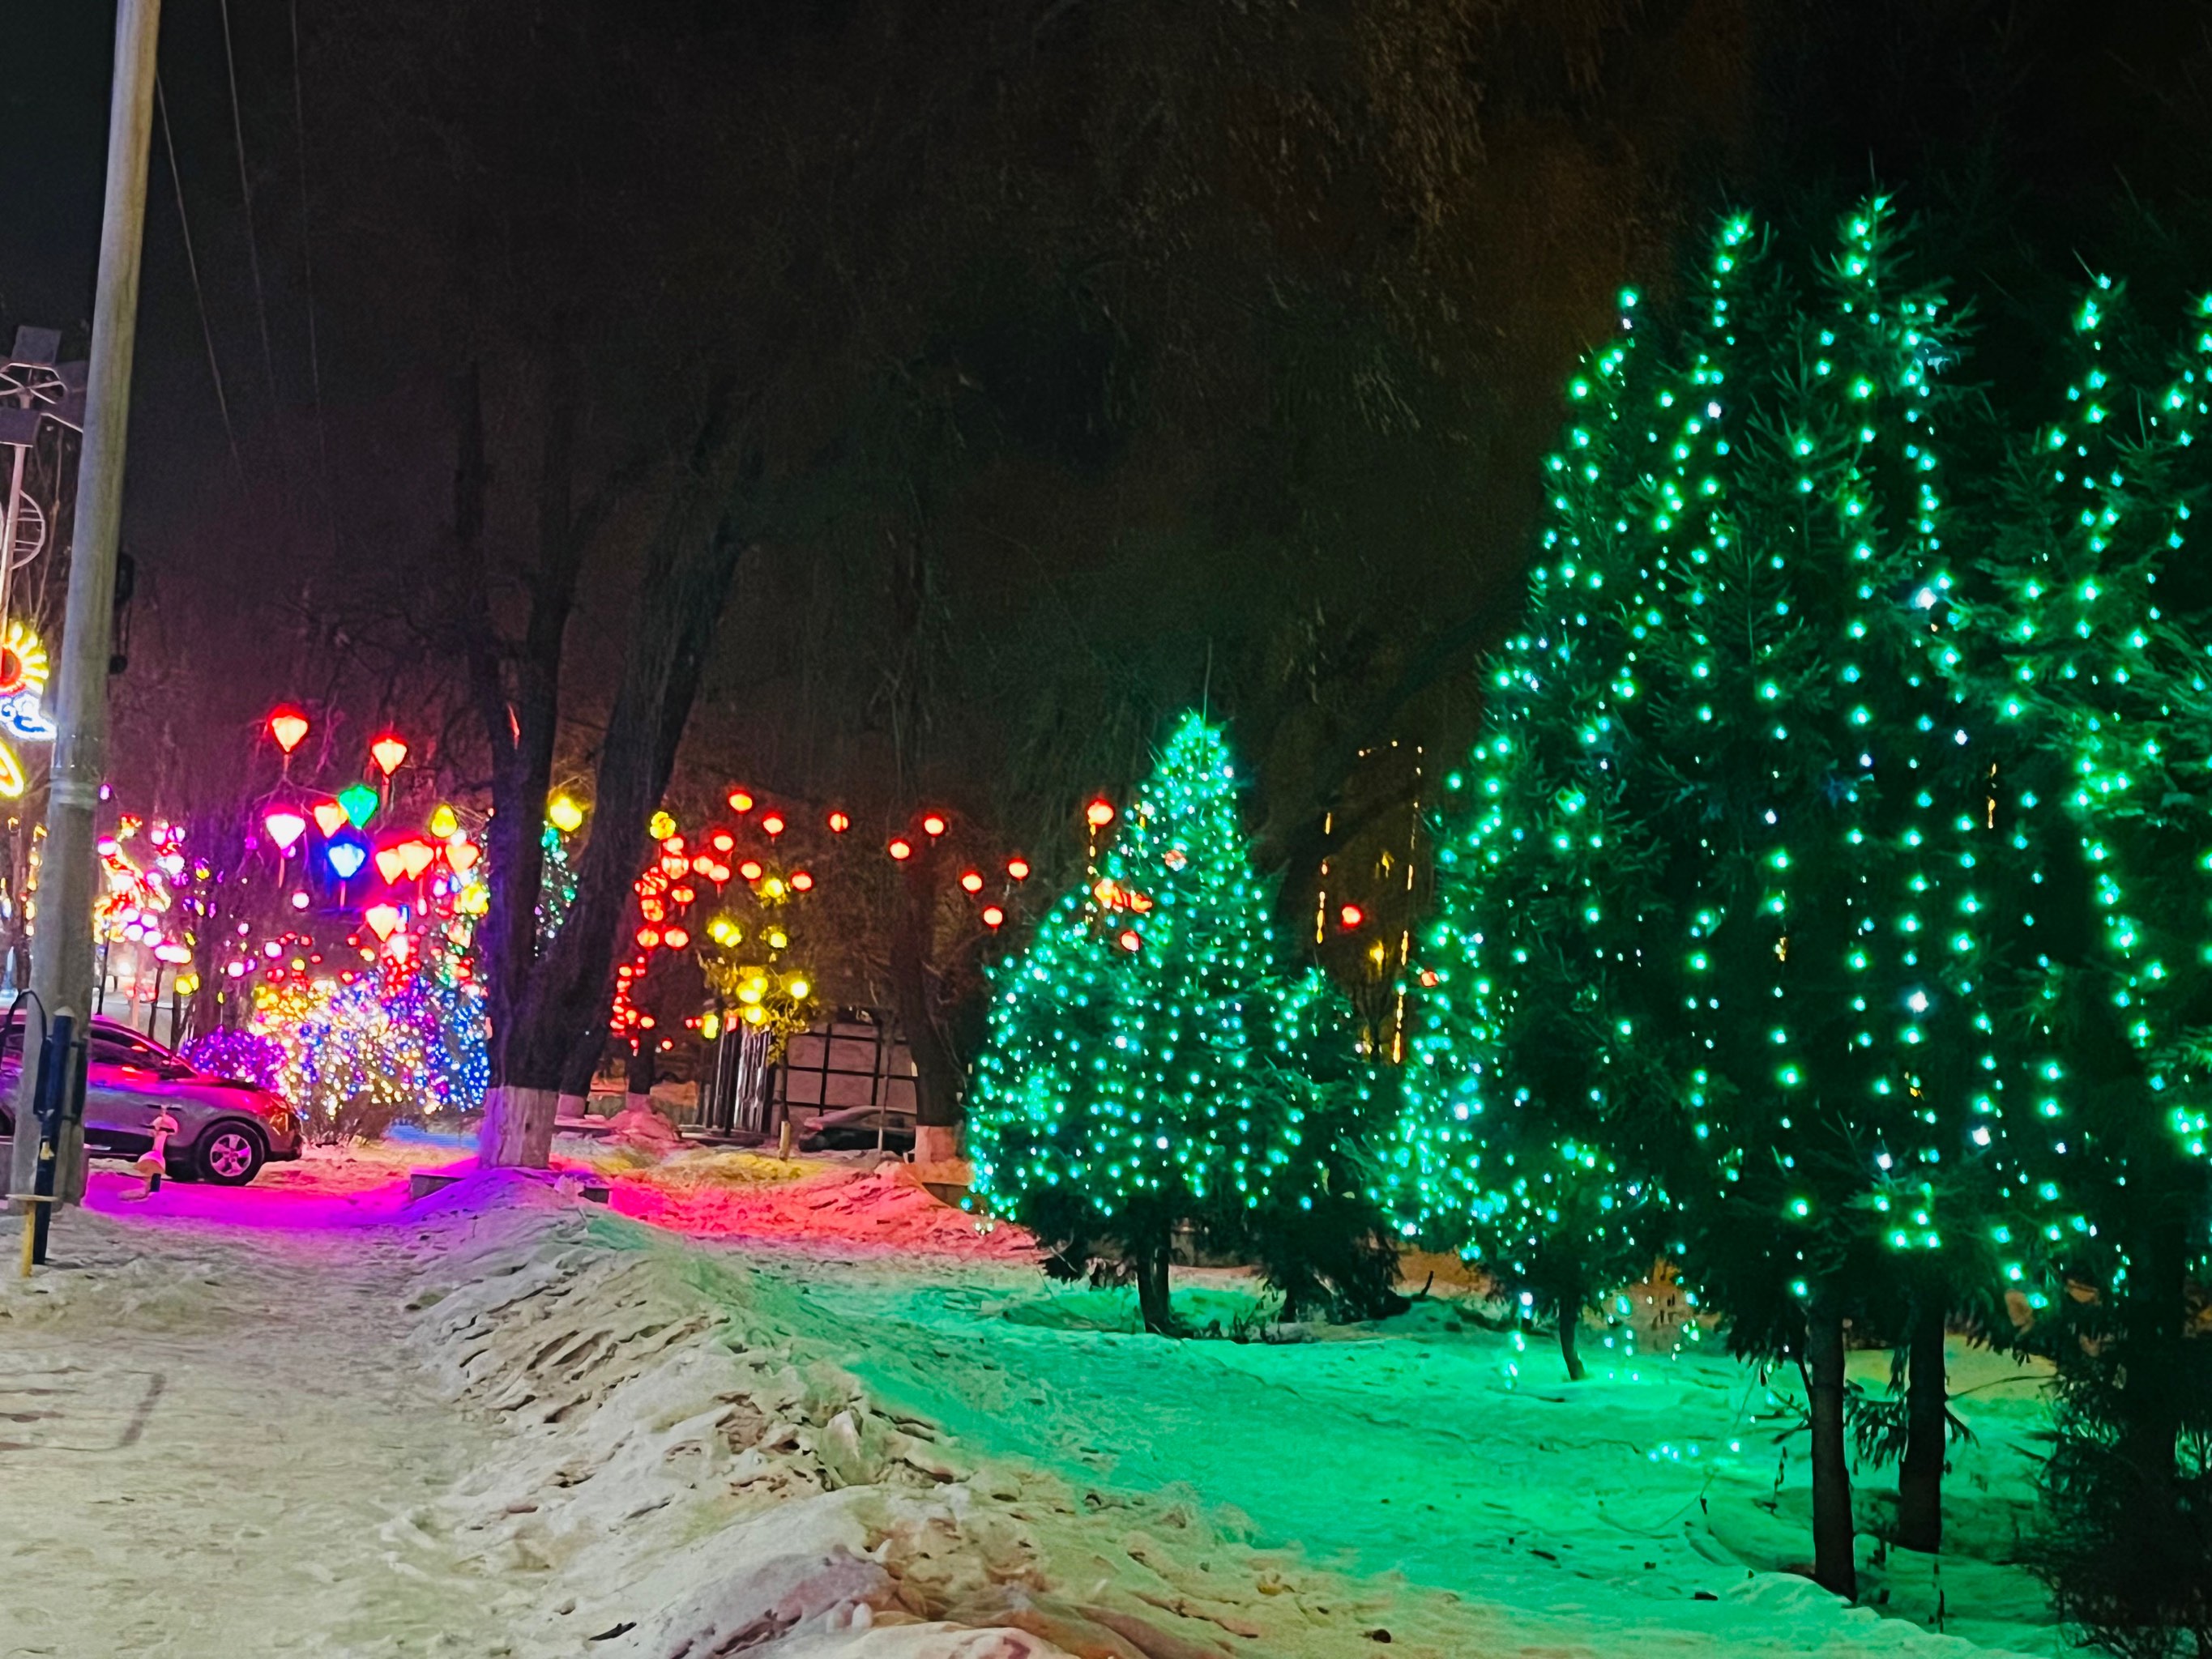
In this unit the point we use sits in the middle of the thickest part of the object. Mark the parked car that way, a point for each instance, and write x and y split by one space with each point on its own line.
226 1129
854 1129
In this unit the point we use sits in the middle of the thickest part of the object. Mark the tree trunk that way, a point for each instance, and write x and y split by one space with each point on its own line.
1920 1477
1152 1300
680 599
518 1128
1570 1319
516 686
937 1070
1835 1567
2154 1314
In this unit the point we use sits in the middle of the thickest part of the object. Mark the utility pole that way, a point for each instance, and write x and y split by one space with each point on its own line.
62 962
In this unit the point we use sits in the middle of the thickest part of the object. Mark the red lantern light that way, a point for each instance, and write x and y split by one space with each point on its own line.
1099 813
462 856
1350 916
648 939
389 752
389 864
740 802
972 880
901 847
932 824
703 865
682 894
992 916
288 728
1130 939
719 874
330 816
676 938
802 881
383 919
839 824
673 844
722 841
416 857
1019 868
751 869
772 824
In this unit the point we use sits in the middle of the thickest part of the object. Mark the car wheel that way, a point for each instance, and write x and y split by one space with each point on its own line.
230 1154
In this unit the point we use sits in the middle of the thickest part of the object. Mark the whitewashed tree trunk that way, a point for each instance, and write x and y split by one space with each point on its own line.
936 1143
576 1105
517 1128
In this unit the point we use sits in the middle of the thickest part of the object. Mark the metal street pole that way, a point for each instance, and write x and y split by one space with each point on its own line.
62 962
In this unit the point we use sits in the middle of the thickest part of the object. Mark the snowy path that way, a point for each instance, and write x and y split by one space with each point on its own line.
208 1448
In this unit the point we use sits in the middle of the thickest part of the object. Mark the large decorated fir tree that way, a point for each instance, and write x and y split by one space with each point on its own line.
1719 923
2095 624
1833 797
1130 1084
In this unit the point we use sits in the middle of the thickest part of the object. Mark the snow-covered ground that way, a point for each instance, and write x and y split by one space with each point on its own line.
313 1419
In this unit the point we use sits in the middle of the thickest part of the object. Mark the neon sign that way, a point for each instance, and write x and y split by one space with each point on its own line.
23 669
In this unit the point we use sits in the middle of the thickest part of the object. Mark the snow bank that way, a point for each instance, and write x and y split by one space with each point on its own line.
693 1476
738 1195
695 1466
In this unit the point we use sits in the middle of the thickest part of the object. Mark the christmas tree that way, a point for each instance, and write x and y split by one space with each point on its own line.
1837 791
1322 1235
1541 1089
2096 618
1719 926
1125 1088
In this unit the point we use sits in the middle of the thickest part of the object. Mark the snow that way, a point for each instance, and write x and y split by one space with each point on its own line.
840 1420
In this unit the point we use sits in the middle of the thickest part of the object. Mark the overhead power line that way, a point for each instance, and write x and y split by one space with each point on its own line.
199 294
245 190
307 279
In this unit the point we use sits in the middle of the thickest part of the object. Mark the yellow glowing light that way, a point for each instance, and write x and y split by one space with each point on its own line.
710 1025
755 1015
777 939
445 823
565 815
660 826
798 989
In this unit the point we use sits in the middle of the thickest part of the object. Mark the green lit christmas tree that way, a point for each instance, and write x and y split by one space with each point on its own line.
1720 924
1541 1092
1130 1082
2094 614
1834 790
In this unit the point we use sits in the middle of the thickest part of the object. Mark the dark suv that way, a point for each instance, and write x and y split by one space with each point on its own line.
226 1130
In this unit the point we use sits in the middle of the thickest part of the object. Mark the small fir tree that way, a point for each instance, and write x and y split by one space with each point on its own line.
1538 1103
1124 1090
1322 1237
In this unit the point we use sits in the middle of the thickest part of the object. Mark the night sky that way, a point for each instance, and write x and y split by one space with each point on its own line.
1113 452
